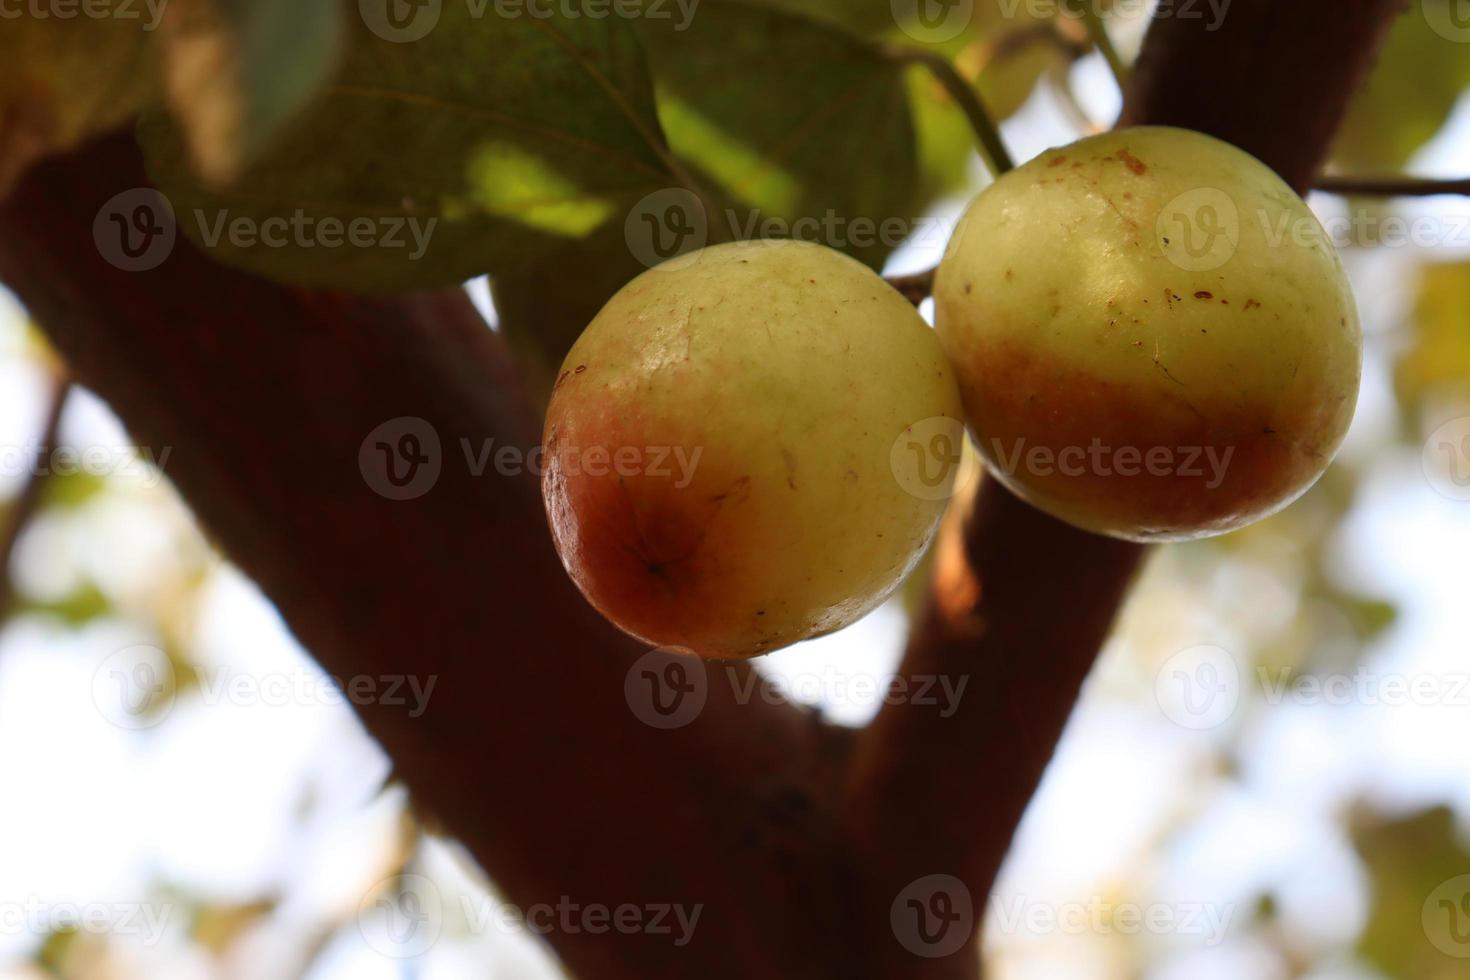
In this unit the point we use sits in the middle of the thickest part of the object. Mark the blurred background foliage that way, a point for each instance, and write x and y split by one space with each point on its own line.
1323 836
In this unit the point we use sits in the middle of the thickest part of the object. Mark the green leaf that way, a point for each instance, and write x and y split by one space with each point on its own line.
1419 77
77 609
789 118
864 17
238 69
72 490
1436 361
1413 863
543 309
469 150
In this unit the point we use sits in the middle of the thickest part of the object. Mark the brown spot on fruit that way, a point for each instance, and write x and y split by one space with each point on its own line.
1058 161
1204 294
1132 163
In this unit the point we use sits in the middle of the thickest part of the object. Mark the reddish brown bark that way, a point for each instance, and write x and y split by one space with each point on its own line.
795 838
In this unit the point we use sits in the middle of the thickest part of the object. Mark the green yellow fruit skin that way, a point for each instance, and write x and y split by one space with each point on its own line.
788 371
1085 304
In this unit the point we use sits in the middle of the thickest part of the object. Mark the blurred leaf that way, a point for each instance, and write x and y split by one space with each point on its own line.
80 607
217 927
790 119
859 16
1370 617
54 951
544 309
238 69
65 80
1009 57
1419 76
475 145
1409 859
72 490
946 144
1004 57
1437 359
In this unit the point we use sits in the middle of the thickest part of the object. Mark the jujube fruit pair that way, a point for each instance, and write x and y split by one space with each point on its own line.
1147 332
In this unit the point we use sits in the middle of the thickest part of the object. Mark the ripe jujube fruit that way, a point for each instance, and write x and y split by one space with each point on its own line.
754 392
1154 337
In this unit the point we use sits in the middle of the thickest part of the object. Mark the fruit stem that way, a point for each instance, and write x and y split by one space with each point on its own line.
986 131
1098 31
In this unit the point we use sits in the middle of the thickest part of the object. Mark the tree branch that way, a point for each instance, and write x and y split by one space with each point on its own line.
1350 186
1020 603
528 750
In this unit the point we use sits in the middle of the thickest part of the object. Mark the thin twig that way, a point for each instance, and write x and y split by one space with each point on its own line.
28 502
1098 31
986 131
1391 186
